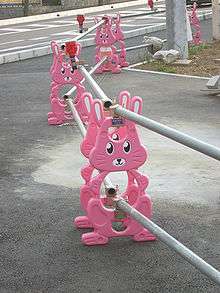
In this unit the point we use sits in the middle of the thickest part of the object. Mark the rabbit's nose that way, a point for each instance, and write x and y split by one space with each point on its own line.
119 160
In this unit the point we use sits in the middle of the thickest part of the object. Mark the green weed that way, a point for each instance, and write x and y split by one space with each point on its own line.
194 50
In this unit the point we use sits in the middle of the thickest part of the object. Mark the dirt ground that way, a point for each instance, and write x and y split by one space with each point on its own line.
203 62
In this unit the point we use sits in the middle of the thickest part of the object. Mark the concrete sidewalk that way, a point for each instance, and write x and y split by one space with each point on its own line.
40 180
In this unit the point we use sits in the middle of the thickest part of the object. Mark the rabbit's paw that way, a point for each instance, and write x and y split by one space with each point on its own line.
95 185
86 173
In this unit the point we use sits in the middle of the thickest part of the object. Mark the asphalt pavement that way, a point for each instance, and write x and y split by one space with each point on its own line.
41 251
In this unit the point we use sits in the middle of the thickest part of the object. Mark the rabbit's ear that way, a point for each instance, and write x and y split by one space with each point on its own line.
118 18
78 49
97 111
124 99
87 100
108 22
55 48
60 58
136 104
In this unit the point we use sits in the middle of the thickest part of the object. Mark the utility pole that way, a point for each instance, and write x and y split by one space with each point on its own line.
216 19
176 27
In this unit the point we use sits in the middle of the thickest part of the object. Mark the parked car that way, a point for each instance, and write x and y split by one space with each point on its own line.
199 2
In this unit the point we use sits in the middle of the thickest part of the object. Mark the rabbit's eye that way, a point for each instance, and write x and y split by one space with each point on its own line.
116 31
127 146
62 70
115 136
72 70
106 36
101 36
109 148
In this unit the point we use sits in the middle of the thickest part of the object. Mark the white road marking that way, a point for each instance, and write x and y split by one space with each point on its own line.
17 30
130 68
34 29
135 25
149 17
64 21
42 25
23 47
72 32
71 22
40 38
17 41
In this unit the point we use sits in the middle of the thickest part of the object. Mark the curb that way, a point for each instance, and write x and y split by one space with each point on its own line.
46 16
131 68
46 50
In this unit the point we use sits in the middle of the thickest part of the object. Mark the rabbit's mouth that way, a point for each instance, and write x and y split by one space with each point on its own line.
118 162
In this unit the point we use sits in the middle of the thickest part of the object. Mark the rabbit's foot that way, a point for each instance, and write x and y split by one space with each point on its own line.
82 222
116 70
124 64
94 238
144 235
52 120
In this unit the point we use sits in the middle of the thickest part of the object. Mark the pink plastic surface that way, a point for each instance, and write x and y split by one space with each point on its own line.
126 153
119 36
196 26
62 74
105 40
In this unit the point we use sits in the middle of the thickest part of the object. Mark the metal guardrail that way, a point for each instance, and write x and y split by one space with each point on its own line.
171 133
171 242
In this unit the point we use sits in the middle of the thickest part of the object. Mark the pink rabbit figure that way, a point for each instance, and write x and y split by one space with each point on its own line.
96 115
63 74
104 40
117 31
108 155
195 23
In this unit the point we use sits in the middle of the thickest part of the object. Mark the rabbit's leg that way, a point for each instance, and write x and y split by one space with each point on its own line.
144 206
100 68
115 68
57 115
101 219
122 56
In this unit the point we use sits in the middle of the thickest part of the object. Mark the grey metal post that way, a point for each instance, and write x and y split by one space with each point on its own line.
101 95
216 19
190 256
169 132
176 27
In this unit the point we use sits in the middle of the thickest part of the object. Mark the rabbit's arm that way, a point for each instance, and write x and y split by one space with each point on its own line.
86 173
142 180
